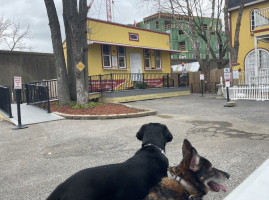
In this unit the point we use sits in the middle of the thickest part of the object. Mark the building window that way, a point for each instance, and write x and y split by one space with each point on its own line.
250 61
133 37
198 44
158 59
182 46
205 27
106 53
121 56
157 24
147 58
167 24
253 14
217 45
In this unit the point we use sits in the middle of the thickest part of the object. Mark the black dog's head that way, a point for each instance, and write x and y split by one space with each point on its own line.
154 133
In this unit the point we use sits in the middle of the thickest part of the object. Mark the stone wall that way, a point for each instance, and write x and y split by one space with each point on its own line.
29 65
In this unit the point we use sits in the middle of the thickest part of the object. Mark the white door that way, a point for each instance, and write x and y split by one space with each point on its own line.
136 66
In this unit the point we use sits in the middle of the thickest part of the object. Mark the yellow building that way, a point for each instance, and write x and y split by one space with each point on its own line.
253 56
117 48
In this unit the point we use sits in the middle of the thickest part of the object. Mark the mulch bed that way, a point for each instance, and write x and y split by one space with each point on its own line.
103 109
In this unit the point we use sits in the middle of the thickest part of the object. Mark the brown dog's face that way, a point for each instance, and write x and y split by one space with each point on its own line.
196 167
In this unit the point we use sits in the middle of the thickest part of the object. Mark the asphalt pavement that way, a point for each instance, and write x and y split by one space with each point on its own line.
35 160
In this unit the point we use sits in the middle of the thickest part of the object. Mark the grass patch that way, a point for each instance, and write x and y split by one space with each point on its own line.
83 106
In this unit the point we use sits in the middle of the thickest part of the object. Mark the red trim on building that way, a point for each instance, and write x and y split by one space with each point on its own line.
261 30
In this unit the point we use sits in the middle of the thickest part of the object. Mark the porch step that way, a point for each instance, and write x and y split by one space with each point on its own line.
95 95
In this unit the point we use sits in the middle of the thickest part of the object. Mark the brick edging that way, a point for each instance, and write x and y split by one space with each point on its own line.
143 113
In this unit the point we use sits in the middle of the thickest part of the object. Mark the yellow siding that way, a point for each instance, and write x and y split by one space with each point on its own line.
246 36
111 32
119 34
96 68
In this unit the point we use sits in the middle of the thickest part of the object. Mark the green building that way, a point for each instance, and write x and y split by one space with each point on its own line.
175 24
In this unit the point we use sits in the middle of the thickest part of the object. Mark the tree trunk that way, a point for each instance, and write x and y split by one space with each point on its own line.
62 84
83 18
233 49
77 49
69 52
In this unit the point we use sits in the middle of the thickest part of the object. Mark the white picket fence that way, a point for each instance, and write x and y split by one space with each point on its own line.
259 92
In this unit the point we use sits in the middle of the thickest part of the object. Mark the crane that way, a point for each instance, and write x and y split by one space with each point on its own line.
108 10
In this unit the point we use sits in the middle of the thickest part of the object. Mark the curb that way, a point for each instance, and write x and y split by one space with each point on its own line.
143 113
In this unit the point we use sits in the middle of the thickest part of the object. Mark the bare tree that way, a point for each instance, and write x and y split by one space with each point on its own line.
62 80
233 49
75 20
13 35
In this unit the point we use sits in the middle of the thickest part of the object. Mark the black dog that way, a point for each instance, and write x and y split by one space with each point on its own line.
130 180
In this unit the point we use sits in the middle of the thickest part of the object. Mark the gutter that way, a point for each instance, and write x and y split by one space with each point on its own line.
247 4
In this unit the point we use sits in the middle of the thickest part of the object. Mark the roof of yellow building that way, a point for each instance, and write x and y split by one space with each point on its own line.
234 4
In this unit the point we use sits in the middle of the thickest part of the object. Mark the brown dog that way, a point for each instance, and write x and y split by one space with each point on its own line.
191 179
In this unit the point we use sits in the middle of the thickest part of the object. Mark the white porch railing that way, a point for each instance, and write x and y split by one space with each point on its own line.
259 93
261 17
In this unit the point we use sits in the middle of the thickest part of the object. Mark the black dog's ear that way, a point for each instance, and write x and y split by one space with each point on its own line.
140 133
168 134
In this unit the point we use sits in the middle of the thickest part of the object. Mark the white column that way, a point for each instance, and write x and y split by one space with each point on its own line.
257 63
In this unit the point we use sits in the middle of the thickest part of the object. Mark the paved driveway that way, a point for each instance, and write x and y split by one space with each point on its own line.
34 161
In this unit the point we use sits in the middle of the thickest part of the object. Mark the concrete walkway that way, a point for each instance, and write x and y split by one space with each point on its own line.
253 187
31 115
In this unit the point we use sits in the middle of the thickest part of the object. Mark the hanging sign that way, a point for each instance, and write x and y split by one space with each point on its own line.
17 83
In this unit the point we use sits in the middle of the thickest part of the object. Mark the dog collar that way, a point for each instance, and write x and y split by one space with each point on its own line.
189 188
153 145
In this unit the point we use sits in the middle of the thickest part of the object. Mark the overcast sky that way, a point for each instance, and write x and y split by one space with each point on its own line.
33 12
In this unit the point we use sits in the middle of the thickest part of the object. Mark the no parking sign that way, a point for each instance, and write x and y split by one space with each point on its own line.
17 83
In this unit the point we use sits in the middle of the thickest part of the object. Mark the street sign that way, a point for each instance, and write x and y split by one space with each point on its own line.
17 82
80 66
235 74
227 83
227 74
202 77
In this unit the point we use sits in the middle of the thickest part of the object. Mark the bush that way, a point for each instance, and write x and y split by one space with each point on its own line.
82 106
142 85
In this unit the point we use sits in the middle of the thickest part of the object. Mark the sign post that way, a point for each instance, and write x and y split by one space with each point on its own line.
227 76
202 78
18 87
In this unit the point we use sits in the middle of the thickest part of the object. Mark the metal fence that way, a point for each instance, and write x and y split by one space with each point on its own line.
36 94
5 100
124 81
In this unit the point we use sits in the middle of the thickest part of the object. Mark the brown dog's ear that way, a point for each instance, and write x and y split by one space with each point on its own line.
186 147
195 160
140 133
168 134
